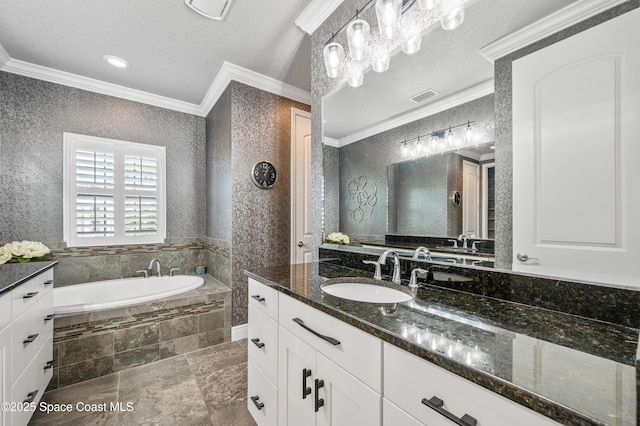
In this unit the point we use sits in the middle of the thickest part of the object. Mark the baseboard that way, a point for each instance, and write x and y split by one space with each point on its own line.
239 332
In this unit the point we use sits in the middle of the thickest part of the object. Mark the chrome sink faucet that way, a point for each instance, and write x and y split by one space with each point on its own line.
413 282
463 238
396 264
158 269
422 251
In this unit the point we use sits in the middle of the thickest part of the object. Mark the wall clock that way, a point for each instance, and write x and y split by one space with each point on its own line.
264 175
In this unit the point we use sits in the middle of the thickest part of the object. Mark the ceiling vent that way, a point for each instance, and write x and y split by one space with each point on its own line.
424 96
212 9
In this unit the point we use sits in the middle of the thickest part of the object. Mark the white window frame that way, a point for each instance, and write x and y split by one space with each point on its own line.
71 142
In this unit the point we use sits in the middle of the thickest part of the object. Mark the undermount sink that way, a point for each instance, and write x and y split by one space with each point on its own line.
367 290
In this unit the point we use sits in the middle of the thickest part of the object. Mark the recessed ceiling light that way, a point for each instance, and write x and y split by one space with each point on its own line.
115 61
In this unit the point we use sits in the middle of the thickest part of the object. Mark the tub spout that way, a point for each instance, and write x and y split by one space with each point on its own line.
158 268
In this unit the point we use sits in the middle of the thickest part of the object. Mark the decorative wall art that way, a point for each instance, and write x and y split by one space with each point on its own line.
361 198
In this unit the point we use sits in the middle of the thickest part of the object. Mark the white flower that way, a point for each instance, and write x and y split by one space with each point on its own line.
338 237
26 249
5 254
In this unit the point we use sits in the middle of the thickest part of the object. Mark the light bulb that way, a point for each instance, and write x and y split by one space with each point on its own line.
411 37
453 15
355 74
421 147
388 14
358 33
404 149
333 56
434 143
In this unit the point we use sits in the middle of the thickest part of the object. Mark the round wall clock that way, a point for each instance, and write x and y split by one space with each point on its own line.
264 175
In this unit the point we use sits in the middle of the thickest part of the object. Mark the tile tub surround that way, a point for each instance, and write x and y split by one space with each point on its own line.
497 329
94 344
603 303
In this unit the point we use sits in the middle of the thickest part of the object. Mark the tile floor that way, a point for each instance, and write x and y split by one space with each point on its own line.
204 387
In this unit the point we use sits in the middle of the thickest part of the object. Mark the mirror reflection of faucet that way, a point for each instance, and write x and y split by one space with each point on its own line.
421 251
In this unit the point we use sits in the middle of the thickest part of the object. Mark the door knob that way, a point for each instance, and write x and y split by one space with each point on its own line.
300 244
523 257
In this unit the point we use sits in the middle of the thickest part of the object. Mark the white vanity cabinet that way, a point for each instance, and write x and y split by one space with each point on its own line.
427 393
26 346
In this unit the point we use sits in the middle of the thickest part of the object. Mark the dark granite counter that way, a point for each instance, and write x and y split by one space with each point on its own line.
14 274
573 369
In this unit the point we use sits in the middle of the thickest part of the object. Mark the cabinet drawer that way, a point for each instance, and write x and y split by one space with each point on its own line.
27 294
409 379
31 325
357 352
263 343
5 310
392 415
264 298
265 408
35 378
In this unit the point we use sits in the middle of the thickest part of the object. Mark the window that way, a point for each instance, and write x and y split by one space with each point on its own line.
114 192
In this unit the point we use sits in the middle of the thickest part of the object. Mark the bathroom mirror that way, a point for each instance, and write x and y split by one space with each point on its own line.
445 84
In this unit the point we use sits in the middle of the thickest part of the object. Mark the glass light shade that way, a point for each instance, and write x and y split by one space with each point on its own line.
388 13
355 73
469 134
453 15
421 147
427 4
358 33
450 138
404 149
380 58
434 143
411 38
333 56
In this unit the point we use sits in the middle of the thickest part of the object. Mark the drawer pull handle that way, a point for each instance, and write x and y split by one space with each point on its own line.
306 391
49 282
258 343
436 404
319 402
30 295
325 338
49 317
30 338
259 405
31 396
48 365
258 298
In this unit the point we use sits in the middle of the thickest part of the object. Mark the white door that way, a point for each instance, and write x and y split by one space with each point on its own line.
347 401
300 186
470 199
576 179
295 358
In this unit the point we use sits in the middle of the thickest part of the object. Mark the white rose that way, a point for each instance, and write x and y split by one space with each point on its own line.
5 254
34 249
16 248
345 239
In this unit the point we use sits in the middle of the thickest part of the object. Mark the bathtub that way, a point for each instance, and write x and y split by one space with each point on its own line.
121 292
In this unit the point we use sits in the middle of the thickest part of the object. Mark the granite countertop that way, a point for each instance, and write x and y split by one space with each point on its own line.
14 274
575 370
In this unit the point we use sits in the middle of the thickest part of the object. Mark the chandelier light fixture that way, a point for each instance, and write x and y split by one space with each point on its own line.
400 25
439 141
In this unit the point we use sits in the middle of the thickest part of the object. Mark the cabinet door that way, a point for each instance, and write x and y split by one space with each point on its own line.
294 359
5 372
393 415
576 201
347 401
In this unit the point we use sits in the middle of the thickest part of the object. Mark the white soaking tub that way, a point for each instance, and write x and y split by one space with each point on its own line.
122 292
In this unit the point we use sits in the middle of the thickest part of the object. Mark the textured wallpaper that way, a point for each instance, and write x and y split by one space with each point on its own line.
33 116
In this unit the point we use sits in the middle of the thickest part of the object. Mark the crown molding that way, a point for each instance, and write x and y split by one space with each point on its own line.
315 14
558 21
331 142
4 57
230 72
459 98
73 80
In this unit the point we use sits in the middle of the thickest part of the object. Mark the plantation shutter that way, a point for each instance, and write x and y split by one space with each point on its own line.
114 192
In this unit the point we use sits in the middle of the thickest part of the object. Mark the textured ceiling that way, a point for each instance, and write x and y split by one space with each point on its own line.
448 62
173 51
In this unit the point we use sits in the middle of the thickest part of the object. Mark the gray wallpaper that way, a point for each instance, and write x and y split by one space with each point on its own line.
247 126
504 137
371 156
33 116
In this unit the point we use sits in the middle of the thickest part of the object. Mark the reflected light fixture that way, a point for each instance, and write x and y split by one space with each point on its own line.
400 25
439 142
116 61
